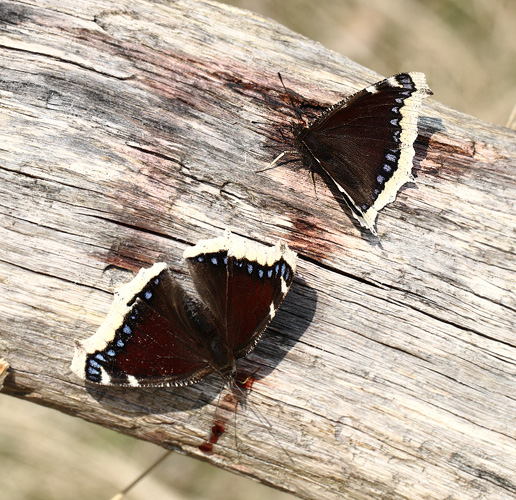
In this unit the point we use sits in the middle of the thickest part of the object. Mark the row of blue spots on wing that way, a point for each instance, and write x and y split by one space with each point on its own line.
148 291
279 269
391 156
389 166
102 358
215 259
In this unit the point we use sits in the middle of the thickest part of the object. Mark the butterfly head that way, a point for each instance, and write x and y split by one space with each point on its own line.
228 372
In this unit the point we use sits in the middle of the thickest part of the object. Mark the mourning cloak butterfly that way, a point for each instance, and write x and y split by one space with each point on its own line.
364 143
157 335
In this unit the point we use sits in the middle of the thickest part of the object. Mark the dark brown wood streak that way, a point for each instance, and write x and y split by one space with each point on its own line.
130 130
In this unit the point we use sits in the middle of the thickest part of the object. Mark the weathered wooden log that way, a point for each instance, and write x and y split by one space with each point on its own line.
129 130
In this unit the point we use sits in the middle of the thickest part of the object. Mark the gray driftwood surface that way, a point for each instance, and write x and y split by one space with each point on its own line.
129 130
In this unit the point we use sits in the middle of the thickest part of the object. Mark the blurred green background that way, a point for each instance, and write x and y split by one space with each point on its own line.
467 50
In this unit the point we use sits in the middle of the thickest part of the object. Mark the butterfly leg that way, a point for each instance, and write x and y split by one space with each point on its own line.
274 162
312 177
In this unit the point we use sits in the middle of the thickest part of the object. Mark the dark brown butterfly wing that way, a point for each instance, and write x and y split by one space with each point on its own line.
153 336
365 143
243 284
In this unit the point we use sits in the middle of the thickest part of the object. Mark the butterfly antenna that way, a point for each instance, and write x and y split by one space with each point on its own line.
121 494
216 410
235 386
274 163
231 387
296 111
265 422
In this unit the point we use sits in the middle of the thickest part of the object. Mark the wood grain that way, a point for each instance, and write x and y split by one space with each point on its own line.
129 130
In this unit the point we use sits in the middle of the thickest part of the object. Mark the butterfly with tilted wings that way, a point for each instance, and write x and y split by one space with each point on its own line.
365 143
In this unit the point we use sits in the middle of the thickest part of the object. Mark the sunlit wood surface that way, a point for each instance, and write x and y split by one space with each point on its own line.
129 130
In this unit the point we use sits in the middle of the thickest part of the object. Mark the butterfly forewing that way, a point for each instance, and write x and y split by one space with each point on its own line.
151 336
161 353
255 291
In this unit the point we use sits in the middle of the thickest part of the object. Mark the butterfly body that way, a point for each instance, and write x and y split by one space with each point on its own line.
364 143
